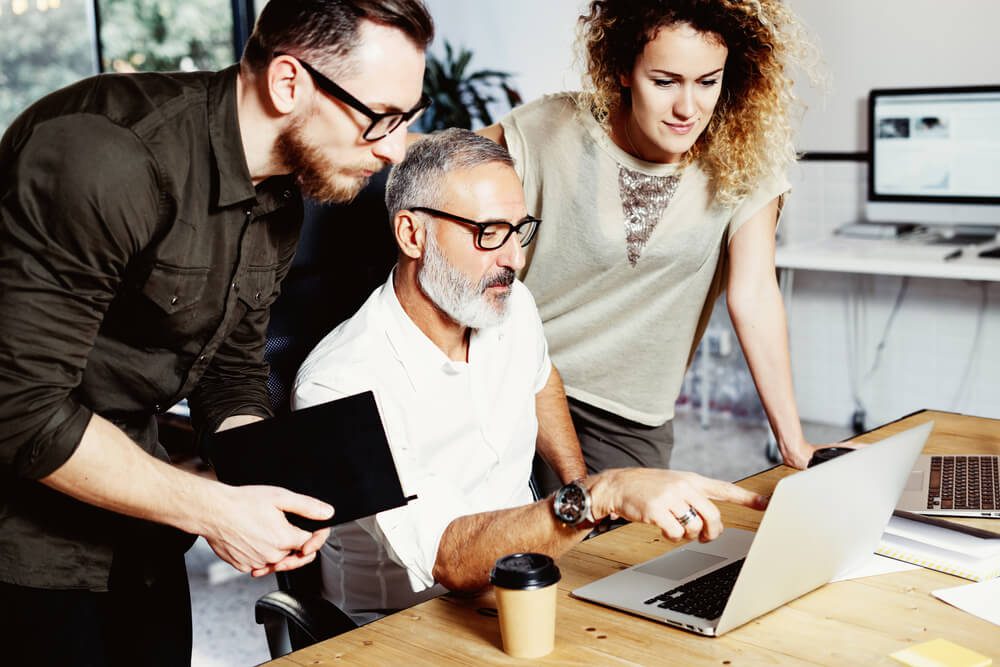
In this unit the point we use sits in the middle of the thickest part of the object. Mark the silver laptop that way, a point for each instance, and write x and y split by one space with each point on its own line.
953 485
820 522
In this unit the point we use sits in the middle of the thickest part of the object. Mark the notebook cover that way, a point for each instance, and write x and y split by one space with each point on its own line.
336 452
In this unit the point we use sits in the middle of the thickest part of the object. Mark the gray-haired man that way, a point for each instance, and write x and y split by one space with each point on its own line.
453 346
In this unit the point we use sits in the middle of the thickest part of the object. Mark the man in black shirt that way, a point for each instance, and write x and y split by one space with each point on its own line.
146 222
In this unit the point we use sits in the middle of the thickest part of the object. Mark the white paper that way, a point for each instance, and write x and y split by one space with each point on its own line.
874 566
981 599
963 544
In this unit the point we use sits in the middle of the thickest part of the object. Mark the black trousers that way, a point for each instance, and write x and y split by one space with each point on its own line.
144 619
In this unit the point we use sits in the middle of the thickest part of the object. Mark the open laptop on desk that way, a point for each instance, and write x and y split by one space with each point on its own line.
820 522
954 485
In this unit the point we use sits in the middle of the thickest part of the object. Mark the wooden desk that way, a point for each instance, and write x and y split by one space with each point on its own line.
857 622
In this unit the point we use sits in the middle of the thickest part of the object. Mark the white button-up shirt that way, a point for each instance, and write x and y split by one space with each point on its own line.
462 435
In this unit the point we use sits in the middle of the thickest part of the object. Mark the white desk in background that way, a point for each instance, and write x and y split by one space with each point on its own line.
885 257
879 257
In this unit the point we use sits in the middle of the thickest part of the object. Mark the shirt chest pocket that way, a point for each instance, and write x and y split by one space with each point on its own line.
174 289
177 296
257 288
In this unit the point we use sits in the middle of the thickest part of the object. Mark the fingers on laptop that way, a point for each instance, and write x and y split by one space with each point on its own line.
719 490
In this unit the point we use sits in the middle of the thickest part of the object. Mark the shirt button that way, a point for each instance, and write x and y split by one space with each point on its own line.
287 194
157 408
236 286
202 358
248 211
257 296
173 300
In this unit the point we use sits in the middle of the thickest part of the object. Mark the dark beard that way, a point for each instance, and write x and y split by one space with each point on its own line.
317 177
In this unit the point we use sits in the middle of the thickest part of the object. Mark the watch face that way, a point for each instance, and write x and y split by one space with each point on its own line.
571 503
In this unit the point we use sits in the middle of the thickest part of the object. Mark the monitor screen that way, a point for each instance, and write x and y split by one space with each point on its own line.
935 146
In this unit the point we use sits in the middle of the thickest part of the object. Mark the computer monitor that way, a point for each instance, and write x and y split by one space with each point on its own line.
934 156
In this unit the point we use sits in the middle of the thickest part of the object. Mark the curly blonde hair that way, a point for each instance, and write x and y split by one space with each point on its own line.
750 134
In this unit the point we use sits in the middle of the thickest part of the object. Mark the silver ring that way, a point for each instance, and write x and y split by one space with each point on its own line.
687 517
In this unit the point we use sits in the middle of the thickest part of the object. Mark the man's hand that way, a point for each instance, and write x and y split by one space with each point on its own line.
662 497
249 530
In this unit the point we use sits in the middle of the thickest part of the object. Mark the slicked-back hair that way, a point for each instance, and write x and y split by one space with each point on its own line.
325 32
417 180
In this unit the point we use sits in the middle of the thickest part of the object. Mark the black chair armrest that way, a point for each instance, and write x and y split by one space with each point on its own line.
292 621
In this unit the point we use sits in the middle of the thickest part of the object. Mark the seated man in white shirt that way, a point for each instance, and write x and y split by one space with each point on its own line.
453 347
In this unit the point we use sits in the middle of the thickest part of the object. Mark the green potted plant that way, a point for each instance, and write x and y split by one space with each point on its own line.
462 98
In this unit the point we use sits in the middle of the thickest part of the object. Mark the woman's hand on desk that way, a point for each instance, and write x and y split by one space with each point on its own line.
799 455
664 497
803 454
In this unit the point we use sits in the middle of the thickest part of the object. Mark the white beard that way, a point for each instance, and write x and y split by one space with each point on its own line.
451 291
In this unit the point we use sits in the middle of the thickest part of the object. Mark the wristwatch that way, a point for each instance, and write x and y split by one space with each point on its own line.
571 504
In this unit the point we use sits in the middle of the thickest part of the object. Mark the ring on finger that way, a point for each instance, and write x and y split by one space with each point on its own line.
688 516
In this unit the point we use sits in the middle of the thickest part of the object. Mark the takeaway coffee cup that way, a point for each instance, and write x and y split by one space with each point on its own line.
526 602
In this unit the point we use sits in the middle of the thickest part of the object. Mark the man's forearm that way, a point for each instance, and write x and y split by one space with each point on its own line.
244 525
471 544
557 441
112 472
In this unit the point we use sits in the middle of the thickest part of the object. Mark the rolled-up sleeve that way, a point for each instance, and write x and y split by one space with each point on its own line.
414 532
66 237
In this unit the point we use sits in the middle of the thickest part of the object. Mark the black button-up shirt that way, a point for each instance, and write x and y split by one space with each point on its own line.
137 265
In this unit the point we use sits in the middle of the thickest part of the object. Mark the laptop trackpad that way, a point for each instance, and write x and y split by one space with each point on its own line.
681 564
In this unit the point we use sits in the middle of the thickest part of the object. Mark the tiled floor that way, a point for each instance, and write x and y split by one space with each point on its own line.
225 634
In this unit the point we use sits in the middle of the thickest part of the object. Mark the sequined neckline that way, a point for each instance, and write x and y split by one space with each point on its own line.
644 199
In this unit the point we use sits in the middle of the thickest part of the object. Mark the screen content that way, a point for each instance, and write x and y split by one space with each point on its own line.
937 145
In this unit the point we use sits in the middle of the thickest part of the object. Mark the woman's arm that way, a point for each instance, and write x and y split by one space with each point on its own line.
758 315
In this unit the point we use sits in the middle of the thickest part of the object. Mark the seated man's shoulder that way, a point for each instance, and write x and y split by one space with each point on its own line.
342 362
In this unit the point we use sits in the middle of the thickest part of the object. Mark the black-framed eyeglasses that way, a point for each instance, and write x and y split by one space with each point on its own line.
382 124
492 234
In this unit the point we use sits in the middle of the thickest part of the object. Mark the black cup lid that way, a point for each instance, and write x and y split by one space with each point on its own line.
525 571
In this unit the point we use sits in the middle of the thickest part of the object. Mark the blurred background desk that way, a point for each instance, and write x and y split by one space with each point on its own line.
885 257
855 622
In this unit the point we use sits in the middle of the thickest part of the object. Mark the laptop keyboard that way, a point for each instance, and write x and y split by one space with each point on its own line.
705 596
964 483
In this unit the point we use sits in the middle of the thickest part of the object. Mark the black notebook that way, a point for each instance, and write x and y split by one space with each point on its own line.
337 452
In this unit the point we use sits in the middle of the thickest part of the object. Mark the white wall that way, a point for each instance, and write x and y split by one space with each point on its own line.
891 44
531 39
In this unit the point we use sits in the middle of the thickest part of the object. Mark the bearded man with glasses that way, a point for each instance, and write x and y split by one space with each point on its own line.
453 347
146 224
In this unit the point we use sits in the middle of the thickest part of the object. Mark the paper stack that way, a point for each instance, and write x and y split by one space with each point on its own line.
942 545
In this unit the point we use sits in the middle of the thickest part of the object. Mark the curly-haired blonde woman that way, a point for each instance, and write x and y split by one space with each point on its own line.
661 186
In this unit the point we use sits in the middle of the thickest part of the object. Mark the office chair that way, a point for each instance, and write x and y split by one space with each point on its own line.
296 615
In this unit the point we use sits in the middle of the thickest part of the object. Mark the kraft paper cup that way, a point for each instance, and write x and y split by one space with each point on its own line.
526 603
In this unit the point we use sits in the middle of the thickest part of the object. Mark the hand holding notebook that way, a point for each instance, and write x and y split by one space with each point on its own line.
336 452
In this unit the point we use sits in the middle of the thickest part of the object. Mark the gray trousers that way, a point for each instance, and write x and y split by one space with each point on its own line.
611 441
